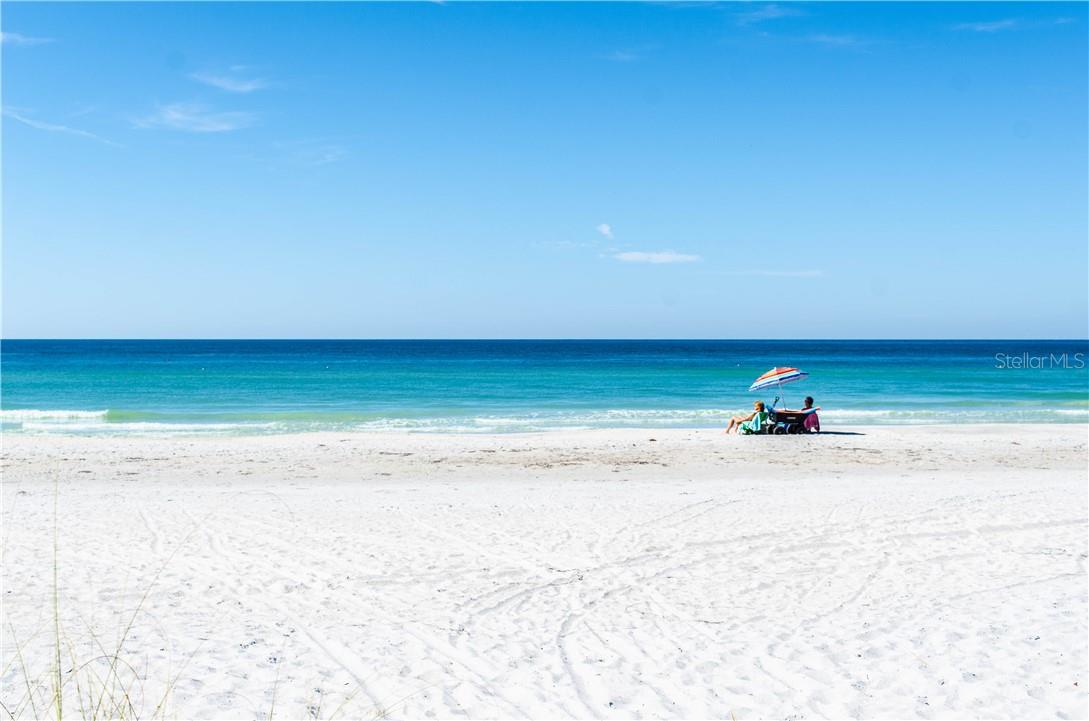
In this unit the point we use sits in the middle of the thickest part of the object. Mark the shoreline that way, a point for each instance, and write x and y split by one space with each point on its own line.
969 445
854 429
194 430
35 421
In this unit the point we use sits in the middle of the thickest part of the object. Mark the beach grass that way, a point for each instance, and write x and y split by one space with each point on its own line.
108 684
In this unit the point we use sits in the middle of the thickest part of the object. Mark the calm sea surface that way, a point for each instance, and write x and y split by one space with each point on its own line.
285 385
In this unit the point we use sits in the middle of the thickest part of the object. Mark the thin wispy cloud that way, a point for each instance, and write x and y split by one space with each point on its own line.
234 81
560 244
325 155
83 109
317 154
55 127
19 39
765 13
777 273
631 53
606 230
997 26
195 118
314 152
990 26
655 257
837 41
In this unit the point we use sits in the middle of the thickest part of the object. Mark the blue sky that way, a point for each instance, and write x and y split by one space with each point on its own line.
545 170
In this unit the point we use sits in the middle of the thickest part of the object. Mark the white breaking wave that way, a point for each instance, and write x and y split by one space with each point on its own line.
704 418
19 416
99 422
145 427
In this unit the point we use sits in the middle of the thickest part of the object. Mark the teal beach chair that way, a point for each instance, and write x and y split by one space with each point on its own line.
754 424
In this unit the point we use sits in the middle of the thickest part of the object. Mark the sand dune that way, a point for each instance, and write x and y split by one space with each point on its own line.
921 572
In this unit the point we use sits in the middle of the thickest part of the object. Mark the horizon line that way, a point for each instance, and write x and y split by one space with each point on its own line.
540 339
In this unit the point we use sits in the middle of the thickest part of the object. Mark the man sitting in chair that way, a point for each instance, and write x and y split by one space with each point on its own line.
812 421
751 423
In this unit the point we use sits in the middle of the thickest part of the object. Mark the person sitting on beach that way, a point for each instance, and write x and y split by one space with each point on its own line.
737 421
812 421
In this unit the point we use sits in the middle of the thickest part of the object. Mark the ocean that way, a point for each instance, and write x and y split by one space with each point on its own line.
278 386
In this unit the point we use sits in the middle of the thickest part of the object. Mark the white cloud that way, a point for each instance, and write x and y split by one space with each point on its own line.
767 12
320 154
778 273
232 82
55 128
195 118
656 257
991 26
836 41
606 230
994 26
18 39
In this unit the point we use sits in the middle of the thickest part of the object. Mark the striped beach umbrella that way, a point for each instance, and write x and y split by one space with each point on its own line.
777 377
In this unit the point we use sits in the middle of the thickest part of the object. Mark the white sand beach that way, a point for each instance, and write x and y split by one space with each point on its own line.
903 572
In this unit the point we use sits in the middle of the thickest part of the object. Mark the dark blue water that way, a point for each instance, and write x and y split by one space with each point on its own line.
286 385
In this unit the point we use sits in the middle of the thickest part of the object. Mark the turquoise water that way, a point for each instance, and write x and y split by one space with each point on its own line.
284 386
